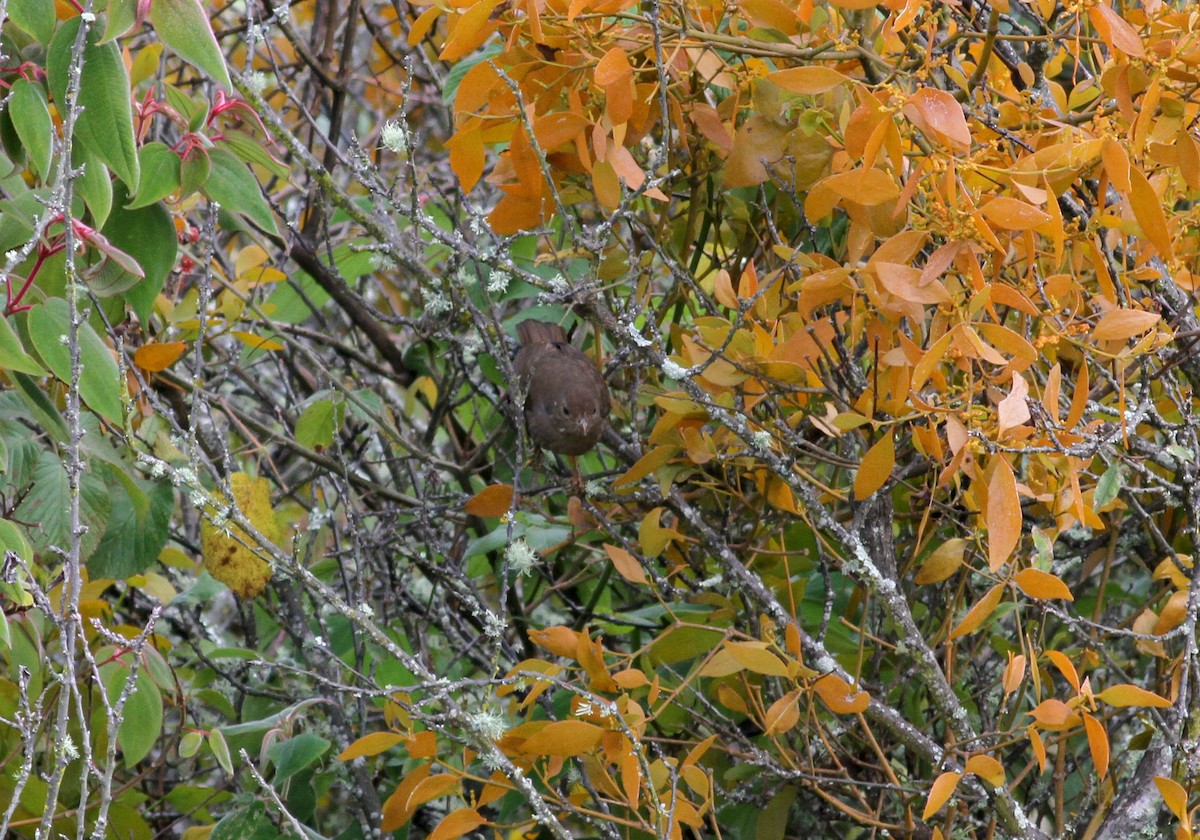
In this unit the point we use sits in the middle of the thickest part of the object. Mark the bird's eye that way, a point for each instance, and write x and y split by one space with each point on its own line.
566 411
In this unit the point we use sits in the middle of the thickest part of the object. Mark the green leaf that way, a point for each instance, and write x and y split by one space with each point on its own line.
216 743
48 503
105 126
148 235
13 355
160 175
31 118
247 823
100 380
1108 487
121 16
43 411
93 186
193 171
293 755
184 27
251 150
17 214
35 17
233 186
131 541
193 110
142 715
318 423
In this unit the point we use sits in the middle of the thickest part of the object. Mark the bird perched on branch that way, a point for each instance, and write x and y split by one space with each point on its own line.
566 398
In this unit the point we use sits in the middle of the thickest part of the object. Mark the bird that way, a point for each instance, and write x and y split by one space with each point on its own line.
566 398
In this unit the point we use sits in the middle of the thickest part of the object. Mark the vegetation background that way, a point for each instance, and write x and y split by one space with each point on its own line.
893 531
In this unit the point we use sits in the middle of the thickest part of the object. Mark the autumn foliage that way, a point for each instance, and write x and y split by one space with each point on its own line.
894 529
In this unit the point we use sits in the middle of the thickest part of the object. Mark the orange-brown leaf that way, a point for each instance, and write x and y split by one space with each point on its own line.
563 738
1003 517
1097 743
1116 31
1174 796
490 502
841 697
986 768
456 824
1013 214
372 744
158 355
876 467
939 792
1043 585
1147 209
1123 324
626 564
940 117
783 714
978 613
1130 695
943 562
811 79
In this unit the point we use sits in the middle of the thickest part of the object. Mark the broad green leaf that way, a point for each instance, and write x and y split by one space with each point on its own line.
31 118
17 214
160 175
318 423
93 186
100 380
133 540
34 16
193 110
13 355
120 16
48 503
194 169
233 186
295 754
183 26
141 718
106 124
148 235
1108 487
251 150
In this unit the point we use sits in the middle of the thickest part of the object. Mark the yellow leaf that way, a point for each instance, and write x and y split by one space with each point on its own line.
226 550
1013 410
755 657
559 640
1013 214
372 744
647 464
939 792
943 562
256 342
1174 796
626 564
1064 667
876 467
564 738
1123 324
978 613
986 768
1003 516
490 502
810 80
1043 585
456 824
1097 743
470 30
1116 164
158 356
841 697
1130 695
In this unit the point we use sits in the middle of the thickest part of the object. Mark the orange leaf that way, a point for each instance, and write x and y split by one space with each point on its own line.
876 467
1042 585
396 809
1014 672
647 464
1097 743
783 714
490 502
564 738
613 68
943 562
158 356
456 824
1130 695
986 768
1147 209
1064 667
978 613
840 696
1123 324
1003 517
467 154
809 80
1039 747
1013 410
1013 214
940 791
1174 796
559 640
626 564
940 117
372 744
904 281
1051 713
470 30
1116 31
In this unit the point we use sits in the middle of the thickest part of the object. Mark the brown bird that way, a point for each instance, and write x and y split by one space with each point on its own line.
566 399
